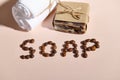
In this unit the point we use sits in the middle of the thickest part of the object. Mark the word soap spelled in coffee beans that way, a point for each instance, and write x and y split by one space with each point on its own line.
66 48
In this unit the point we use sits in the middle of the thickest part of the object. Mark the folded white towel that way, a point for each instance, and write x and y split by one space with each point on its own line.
29 13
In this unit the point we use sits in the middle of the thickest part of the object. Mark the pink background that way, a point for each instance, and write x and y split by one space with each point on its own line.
103 64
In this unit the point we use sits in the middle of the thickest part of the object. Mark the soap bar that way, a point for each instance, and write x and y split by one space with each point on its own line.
71 17
29 13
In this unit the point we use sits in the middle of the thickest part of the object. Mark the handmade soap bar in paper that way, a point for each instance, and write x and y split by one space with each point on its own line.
71 17
29 13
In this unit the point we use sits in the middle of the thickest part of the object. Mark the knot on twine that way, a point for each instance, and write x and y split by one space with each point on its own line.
75 13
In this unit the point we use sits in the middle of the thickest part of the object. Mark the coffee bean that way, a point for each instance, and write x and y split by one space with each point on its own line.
41 52
27 57
45 54
88 49
93 48
83 42
45 44
64 50
51 55
84 55
70 49
63 54
97 42
76 55
22 57
72 42
83 47
65 45
25 48
31 40
53 44
93 40
53 51
31 56
30 48
49 42
22 46
32 51
97 45
75 45
42 47
54 47
25 42
75 51
84 51
67 42
87 40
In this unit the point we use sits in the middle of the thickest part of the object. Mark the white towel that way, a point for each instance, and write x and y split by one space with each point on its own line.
29 13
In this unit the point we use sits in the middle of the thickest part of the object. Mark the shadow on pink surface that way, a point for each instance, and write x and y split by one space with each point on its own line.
47 23
6 17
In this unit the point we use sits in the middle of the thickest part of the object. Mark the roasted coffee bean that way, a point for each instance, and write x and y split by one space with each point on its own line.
84 55
65 45
75 45
88 49
22 57
70 49
42 47
83 47
31 40
63 54
45 54
32 51
53 51
54 47
51 55
93 48
84 50
75 51
22 46
67 42
87 40
97 45
25 42
76 55
72 42
45 44
93 40
41 52
49 42
83 42
27 57
30 48
53 44
97 42
31 56
25 48
64 50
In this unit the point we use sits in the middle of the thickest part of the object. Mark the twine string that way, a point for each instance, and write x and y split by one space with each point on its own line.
75 13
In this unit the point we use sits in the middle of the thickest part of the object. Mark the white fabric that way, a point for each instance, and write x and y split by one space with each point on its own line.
25 12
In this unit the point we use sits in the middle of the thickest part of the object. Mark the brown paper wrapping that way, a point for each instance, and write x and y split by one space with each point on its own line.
82 8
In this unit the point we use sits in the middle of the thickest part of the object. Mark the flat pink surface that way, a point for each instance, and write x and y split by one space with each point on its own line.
102 64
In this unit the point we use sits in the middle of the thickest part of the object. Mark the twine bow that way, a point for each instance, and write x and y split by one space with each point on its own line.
75 13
